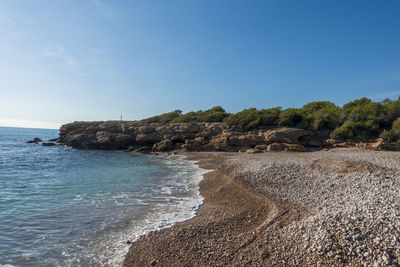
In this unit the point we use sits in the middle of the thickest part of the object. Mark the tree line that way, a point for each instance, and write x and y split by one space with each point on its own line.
358 119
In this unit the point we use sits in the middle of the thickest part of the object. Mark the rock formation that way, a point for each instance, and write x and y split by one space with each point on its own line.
154 137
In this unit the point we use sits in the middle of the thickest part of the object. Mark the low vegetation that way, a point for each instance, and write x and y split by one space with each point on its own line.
358 119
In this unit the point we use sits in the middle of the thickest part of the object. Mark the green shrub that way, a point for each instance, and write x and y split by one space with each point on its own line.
249 119
392 109
163 118
364 109
360 129
396 125
290 117
320 115
215 114
392 135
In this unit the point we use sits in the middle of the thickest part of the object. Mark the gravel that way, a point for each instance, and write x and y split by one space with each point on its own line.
327 208
351 198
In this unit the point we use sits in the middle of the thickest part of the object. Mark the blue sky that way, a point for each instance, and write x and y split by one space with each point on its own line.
62 61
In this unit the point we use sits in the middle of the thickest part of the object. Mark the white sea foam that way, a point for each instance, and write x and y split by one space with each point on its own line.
187 175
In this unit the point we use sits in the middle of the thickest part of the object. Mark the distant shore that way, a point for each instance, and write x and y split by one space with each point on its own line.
327 207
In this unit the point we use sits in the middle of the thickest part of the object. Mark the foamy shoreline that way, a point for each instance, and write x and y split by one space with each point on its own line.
160 218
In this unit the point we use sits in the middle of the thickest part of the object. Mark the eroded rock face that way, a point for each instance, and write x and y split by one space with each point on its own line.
136 136
286 135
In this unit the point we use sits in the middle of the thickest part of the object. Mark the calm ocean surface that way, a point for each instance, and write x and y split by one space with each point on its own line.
65 207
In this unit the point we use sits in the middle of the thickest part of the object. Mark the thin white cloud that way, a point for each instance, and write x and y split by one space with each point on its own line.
10 30
140 98
101 61
96 62
105 10
59 52
64 60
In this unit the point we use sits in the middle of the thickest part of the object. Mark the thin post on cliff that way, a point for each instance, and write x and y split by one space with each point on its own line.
122 124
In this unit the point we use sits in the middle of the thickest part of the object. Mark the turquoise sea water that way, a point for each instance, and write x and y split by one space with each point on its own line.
65 207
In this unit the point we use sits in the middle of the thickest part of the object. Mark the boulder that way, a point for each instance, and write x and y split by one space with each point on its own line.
275 147
261 147
144 149
253 151
131 148
164 145
294 148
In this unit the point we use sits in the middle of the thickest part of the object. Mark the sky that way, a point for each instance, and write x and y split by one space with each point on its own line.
72 60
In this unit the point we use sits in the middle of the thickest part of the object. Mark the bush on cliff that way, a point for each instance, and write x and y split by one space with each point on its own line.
365 109
163 118
249 119
358 119
320 115
291 117
215 114
362 118
394 134
356 130
392 109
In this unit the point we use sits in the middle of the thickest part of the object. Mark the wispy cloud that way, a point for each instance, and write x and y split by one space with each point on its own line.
105 10
96 62
60 53
12 30
140 99
101 61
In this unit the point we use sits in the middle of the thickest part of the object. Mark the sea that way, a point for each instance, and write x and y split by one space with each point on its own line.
67 207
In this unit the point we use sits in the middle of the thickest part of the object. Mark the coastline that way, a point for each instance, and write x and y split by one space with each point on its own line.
228 221
285 209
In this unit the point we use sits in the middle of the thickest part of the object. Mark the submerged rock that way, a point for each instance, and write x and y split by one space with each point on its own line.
48 144
34 141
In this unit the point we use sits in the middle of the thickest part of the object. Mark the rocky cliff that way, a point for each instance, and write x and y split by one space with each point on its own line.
137 136
154 137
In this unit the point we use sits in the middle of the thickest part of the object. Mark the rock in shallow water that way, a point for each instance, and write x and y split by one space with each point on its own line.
34 141
48 144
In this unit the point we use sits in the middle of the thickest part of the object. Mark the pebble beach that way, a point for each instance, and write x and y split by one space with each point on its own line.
325 208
